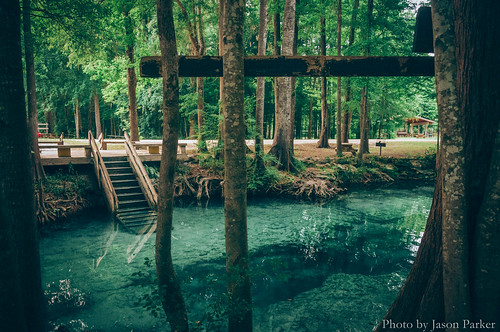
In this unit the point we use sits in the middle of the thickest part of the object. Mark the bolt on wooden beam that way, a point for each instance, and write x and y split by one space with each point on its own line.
299 66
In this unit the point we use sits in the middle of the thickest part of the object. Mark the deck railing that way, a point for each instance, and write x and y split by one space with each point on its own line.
142 175
102 175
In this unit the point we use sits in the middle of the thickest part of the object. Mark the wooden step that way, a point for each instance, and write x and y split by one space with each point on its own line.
130 197
124 183
137 214
128 190
114 158
122 177
132 210
132 204
117 164
120 170
139 221
126 213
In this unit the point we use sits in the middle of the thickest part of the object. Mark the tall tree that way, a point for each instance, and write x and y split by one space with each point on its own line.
169 287
21 305
97 114
281 148
260 94
347 113
235 177
339 81
31 92
364 111
325 115
131 77
195 32
456 271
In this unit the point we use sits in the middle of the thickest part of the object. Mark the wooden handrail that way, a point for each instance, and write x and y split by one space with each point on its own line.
142 175
102 175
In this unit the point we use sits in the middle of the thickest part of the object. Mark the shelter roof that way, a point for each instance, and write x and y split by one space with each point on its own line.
417 120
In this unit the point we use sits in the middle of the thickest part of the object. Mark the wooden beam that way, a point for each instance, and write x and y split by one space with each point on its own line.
299 66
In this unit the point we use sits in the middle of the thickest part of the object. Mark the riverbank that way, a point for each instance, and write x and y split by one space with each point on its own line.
321 177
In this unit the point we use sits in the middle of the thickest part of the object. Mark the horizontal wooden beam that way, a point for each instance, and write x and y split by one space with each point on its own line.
299 66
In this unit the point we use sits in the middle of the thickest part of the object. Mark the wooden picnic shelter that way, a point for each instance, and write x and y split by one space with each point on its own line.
418 121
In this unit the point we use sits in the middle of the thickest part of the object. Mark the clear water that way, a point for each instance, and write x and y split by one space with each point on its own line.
331 267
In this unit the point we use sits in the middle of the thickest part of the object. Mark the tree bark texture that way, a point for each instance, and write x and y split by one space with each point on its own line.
222 13
455 260
22 305
281 148
31 92
325 115
131 79
235 184
477 49
169 287
260 92
468 189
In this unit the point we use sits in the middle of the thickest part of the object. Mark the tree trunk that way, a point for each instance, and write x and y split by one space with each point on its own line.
260 93
22 305
309 130
468 187
235 185
31 91
195 33
276 51
281 148
131 78
97 114
77 119
200 87
293 83
325 115
347 114
220 143
364 112
169 287
339 82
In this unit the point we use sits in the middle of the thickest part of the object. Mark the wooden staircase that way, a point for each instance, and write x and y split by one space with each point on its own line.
134 211
129 193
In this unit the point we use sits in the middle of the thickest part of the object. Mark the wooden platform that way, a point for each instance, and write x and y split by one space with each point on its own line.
50 156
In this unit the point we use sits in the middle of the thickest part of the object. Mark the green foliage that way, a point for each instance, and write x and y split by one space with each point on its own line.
65 184
262 181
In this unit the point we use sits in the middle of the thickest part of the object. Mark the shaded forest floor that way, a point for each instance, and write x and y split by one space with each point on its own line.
322 176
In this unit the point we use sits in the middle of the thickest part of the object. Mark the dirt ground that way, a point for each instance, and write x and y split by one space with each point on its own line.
398 148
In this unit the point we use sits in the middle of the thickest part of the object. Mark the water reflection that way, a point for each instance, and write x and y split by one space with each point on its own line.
302 255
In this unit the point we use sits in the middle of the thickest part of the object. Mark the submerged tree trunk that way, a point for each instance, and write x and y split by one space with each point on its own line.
260 93
281 148
22 305
465 262
235 184
325 115
168 284
131 77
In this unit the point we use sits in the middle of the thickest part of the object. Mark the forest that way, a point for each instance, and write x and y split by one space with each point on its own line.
87 57
74 65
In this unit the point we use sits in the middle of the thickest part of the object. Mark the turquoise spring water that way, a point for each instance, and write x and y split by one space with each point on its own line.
331 267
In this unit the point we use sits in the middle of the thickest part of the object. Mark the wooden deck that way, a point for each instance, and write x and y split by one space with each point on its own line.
79 156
